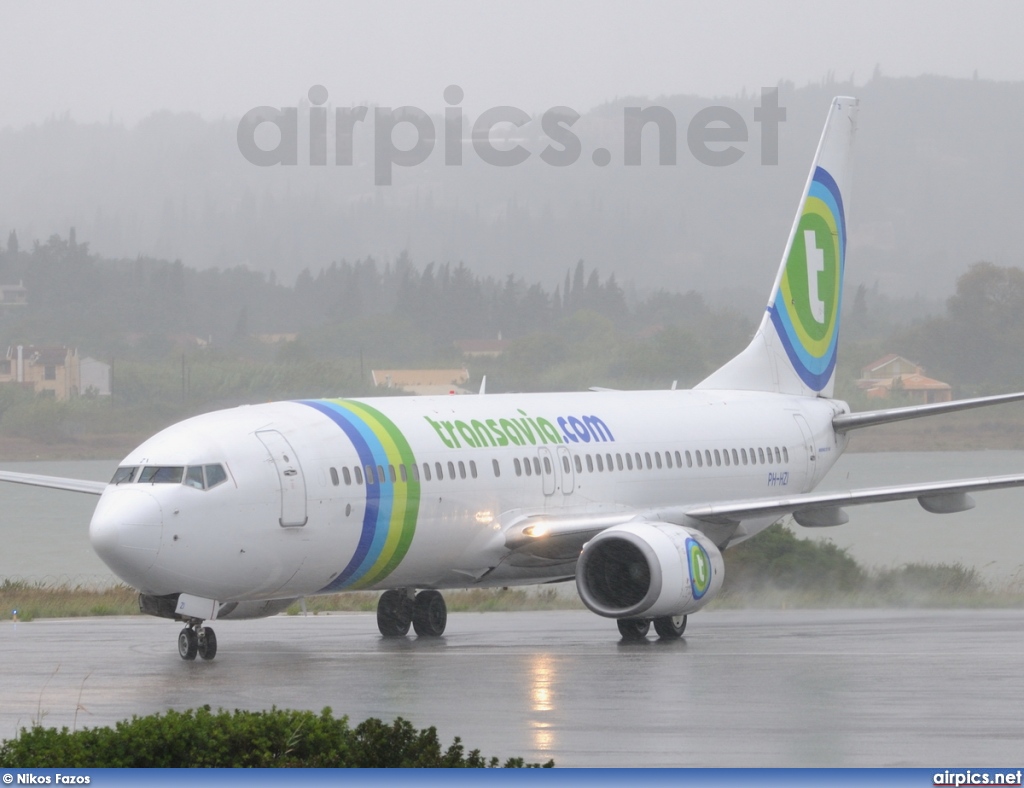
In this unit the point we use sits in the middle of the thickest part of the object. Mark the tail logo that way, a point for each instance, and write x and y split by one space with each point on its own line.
806 308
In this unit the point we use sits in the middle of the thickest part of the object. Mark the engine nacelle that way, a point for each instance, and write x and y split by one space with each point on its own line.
648 570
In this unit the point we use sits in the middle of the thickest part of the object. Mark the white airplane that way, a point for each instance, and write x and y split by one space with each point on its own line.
634 494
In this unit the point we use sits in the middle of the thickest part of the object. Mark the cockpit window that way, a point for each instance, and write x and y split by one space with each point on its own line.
161 474
201 477
215 474
125 474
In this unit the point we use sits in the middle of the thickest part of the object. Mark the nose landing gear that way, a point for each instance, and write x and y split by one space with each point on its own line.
397 610
195 639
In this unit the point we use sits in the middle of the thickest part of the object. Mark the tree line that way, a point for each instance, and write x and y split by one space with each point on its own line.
587 330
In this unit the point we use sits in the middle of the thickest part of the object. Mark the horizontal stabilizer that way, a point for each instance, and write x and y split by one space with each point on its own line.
870 418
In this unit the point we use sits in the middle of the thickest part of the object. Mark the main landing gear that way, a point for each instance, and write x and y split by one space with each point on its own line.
397 609
667 627
196 639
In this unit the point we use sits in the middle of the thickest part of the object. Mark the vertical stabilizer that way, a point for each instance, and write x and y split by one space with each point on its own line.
794 349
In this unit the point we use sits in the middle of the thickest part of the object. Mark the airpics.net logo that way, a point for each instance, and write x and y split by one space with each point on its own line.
407 136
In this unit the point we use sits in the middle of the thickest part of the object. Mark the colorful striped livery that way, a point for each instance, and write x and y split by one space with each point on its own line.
389 522
805 311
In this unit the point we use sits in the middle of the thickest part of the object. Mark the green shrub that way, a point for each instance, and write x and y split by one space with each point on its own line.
776 558
260 739
914 583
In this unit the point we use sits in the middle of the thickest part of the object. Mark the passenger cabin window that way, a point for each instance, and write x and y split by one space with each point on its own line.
472 468
497 468
578 463
334 477
346 474
518 466
359 474
426 471
785 454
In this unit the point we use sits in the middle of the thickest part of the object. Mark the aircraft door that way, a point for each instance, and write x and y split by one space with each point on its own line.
567 472
808 450
547 471
290 477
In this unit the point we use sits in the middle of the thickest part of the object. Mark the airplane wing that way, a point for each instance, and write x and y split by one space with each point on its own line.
823 509
54 482
551 537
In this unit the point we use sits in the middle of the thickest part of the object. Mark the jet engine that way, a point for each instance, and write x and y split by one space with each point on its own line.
648 570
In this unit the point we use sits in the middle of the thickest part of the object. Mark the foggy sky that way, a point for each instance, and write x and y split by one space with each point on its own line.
124 60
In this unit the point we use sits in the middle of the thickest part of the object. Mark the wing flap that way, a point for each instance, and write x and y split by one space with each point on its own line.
54 482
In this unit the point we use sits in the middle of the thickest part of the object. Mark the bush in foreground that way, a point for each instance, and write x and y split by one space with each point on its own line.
260 739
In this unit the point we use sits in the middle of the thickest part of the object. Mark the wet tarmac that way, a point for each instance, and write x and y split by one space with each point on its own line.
742 688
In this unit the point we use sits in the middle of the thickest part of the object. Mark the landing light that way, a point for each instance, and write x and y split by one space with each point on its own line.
484 518
536 531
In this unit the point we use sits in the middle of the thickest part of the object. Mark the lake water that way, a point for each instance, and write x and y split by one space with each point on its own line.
44 534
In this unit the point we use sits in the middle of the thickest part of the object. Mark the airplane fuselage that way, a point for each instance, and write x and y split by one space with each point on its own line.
319 496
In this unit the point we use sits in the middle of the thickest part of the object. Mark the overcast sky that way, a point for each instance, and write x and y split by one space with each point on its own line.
129 59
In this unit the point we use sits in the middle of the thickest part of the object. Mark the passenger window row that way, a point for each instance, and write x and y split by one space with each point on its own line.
768 455
532 466
378 474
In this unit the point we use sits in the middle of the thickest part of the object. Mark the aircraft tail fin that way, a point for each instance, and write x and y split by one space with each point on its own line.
794 349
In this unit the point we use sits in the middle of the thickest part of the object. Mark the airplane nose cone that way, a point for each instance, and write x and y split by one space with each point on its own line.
125 532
